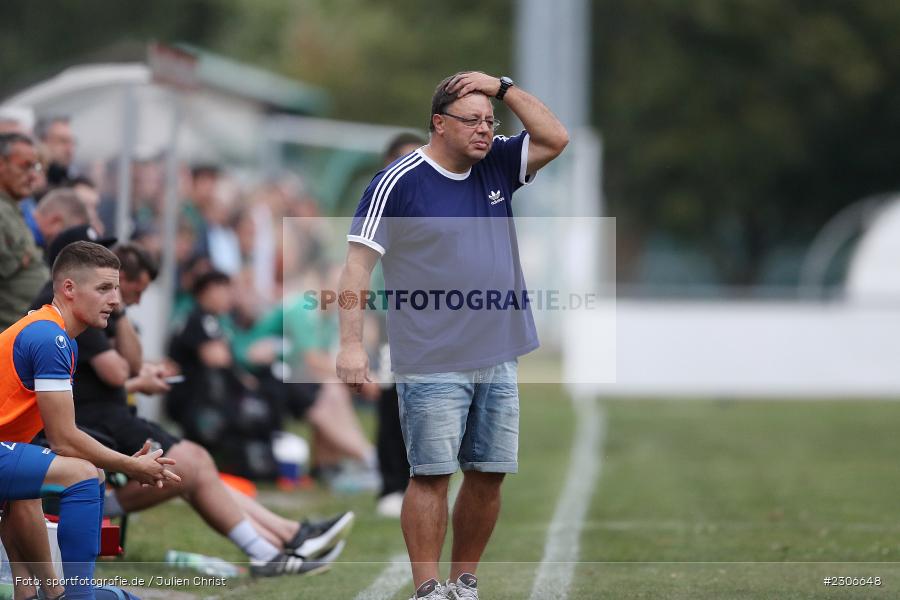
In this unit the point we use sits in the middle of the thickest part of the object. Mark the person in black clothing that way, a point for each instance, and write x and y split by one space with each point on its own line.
214 406
110 365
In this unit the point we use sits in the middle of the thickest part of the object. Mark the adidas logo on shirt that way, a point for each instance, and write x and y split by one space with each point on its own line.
495 197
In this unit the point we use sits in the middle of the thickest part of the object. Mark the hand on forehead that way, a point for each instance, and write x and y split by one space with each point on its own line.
474 103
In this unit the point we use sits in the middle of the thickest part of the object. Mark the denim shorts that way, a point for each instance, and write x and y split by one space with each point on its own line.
468 419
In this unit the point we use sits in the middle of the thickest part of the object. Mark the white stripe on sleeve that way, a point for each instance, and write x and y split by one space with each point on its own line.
367 242
387 193
52 385
524 179
378 188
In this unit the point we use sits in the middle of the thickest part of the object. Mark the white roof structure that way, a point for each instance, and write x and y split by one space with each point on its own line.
94 96
874 273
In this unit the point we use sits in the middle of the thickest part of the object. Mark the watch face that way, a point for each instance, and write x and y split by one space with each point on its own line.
506 81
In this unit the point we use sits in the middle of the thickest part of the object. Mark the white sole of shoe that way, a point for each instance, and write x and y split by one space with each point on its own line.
317 546
326 560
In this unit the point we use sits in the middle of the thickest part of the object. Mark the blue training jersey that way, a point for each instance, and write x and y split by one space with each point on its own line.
454 289
44 355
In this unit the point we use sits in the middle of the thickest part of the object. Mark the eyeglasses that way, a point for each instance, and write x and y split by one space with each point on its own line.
474 122
28 167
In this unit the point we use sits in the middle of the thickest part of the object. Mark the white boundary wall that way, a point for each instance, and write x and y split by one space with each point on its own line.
738 349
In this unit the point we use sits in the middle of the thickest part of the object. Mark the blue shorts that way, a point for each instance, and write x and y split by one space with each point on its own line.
22 470
468 419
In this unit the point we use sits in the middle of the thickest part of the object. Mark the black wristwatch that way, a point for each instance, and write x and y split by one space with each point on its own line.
505 84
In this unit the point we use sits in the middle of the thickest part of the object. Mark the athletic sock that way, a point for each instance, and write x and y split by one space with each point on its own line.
254 545
80 511
371 460
102 491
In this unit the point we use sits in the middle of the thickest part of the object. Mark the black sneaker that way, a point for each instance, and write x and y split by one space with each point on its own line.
288 564
315 538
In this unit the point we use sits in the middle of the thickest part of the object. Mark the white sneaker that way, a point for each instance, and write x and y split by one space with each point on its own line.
390 505
465 588
437 592
355 479
315 538
288 564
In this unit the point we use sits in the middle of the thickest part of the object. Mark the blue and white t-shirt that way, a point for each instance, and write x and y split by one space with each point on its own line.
454 288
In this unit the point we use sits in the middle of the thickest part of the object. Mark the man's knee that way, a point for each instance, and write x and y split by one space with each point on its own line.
80 469
67 471
431 483
483 482
193 458
484 478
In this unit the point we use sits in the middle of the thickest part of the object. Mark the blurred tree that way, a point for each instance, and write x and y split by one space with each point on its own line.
380 59
741 126
733 128
38 39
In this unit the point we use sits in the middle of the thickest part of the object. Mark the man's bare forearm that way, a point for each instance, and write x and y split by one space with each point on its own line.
77 444
542 125
128 344
355 279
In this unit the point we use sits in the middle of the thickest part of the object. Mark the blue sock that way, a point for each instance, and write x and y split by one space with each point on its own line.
100 524
80 511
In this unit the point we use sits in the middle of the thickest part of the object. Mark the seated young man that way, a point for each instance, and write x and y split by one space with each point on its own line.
109 366
38 354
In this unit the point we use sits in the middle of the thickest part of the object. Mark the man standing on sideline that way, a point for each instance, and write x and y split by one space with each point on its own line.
38 354
443 214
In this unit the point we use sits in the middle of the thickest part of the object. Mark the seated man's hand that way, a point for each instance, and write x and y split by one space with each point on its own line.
169 367
150 380
150 468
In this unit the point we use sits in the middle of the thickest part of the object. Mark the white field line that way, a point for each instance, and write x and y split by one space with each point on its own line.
554 576
398 572
389 581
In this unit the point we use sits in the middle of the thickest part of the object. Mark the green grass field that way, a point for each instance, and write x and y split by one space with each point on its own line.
696 499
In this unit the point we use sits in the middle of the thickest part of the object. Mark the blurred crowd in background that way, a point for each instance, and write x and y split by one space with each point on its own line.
239 330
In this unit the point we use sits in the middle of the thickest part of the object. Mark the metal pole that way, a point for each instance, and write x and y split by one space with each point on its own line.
553 56
160 296
170 212
552 62
126 151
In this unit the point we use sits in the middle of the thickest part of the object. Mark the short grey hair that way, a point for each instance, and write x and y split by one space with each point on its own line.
42 127
8 140
67 202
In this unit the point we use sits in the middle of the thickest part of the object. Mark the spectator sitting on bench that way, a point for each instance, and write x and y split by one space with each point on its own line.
287 350
109 366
